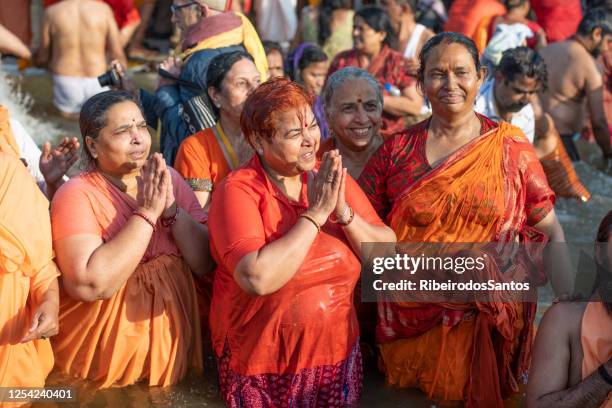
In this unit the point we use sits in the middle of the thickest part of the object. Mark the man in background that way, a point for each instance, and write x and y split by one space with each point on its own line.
574 78
76 37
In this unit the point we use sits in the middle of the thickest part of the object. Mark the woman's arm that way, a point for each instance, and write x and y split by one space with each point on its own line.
359 230
94 269
410 103
269 268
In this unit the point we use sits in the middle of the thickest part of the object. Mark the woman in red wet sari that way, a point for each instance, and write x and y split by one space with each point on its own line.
374 40
458 177
286 235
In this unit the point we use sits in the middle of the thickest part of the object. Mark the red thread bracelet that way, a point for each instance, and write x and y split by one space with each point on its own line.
147 219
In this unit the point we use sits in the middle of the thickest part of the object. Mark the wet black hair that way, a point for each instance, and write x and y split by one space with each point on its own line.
523 61
221 64
219 67
92 118
446 37
379 20
270 46
310 55
595 18
510 4
325 13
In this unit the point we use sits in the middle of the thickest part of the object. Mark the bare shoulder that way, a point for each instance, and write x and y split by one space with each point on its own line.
564 319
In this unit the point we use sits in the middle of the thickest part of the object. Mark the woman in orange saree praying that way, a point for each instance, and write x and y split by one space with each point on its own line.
28 280
128 235
458 177
286 234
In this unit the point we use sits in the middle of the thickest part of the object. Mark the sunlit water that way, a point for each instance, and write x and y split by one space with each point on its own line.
29 99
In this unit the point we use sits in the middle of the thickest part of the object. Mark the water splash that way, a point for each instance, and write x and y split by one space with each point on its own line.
19 105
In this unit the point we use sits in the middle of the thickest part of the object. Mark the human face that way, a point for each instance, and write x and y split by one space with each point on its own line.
313 76
451 81
512 96
354 115
275 64
601 45
365 38
293 147
123 145
185 13
239 82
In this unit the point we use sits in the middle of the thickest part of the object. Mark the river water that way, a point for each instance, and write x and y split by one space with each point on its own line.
28 98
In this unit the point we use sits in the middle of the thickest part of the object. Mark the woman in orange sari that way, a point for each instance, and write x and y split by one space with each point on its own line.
28 280
374 42
128 235
286 235
458 177
205 158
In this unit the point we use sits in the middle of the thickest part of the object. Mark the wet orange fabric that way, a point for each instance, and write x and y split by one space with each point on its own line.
201 161
472 352
148 330
8 144
561 174
465 15
26 270
596 340
311 320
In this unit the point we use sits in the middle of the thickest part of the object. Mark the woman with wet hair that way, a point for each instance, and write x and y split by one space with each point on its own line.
353 107
205 158
459 177
309 64
286 233
374 41
127 234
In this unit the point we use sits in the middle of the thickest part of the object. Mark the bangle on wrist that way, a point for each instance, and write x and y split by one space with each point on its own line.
604 374
147 219
169 221
312 220
334 219
350 218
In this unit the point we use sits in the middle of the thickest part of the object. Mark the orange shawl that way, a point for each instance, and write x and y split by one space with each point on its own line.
470 198
8 144
26 270
596 340
148 330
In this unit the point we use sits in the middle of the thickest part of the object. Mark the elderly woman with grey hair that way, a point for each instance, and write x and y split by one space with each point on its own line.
353 107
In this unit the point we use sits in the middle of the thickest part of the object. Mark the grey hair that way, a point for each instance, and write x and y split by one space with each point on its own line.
338 78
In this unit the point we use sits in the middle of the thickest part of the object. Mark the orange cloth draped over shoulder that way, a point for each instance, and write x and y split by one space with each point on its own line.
8 144
203 160
311 320
596 340
148 330
472 352
26 271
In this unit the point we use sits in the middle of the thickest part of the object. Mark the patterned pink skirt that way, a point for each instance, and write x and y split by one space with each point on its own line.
335 385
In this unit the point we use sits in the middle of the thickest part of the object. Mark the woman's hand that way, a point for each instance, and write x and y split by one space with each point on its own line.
170 205
323 193
152 187
45 322
54 162
341 211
